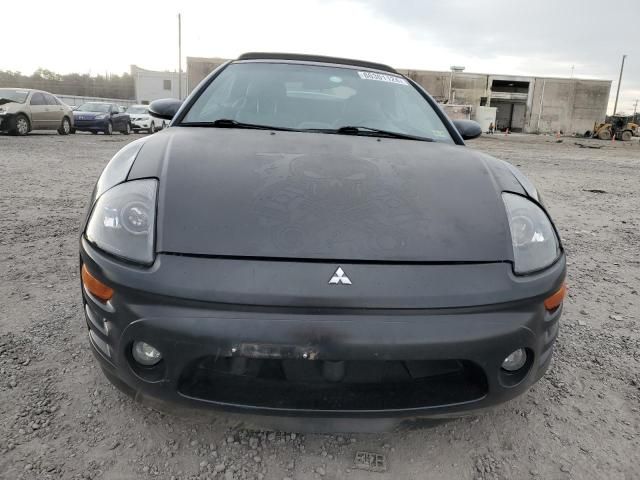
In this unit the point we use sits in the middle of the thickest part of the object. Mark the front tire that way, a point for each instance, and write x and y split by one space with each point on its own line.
627 135
109 129
152 128
65 127
127 129
21 125
604 135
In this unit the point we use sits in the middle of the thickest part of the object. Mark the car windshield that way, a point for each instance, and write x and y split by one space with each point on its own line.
315 97
137 110
94 107
18 96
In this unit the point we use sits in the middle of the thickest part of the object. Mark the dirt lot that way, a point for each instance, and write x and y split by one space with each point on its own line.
60 418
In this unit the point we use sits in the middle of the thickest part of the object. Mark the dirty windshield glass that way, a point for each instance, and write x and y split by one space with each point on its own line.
94 107
137 110
18 96
313 97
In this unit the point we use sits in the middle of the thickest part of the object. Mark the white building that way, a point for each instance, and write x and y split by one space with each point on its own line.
151 85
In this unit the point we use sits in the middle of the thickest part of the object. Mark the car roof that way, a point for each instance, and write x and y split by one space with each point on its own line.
299 57
30 90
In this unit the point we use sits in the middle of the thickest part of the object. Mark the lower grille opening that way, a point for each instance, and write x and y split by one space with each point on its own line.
333 386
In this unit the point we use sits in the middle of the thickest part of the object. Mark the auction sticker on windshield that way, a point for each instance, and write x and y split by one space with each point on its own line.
380 77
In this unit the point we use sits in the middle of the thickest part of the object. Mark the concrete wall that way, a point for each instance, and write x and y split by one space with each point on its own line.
436 83
150 85
568 105
466 88
485 116
457 112
76 100
198 68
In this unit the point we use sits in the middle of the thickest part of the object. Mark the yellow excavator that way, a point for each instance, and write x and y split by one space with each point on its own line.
617 126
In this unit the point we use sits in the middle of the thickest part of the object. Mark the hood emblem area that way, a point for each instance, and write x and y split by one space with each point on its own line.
339 278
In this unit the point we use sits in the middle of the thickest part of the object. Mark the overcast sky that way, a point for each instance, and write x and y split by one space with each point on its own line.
532 37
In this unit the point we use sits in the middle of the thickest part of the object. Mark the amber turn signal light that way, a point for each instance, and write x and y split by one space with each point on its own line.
555 300
95 286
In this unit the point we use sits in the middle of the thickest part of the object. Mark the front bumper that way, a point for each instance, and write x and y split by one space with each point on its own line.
7 121
90 125
140 124
296 360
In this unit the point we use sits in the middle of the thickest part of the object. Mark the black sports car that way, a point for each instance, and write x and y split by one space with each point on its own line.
311 237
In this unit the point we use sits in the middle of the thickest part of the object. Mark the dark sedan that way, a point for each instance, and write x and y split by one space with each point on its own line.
102 117
313 238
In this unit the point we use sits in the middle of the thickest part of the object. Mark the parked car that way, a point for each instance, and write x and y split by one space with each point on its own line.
142 120
102 117
23 110
311 237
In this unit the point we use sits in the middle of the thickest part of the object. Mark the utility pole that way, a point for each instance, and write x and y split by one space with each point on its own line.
179 57
615 105
454 69
635 109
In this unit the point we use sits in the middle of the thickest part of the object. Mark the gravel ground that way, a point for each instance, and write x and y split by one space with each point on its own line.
60 418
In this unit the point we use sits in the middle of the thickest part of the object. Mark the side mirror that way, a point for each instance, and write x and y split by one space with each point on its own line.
165 108
468 129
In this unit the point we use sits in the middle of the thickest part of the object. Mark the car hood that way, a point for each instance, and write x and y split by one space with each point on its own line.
257 193
9 106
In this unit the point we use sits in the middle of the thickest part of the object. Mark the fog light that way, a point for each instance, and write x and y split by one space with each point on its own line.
515 361
145 354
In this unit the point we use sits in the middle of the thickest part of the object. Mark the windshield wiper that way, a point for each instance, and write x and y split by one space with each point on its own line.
360 130
229 123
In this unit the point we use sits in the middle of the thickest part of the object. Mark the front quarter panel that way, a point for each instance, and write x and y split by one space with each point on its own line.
526 184
115 172
69 114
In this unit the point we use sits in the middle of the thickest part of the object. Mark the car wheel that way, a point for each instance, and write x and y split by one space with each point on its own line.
627 135
127 129
72 131
65 127
93 132
109 129
21 126
152 128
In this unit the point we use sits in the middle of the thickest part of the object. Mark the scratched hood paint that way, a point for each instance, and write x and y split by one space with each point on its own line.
256 193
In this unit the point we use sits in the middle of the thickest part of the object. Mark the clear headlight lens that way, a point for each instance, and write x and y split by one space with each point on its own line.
123 220
535 244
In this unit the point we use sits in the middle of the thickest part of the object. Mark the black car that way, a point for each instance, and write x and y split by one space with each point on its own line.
102 117
312 237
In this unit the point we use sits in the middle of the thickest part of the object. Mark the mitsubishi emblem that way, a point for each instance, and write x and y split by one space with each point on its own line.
339 277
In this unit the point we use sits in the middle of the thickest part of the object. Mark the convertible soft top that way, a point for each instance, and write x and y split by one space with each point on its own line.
315 58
